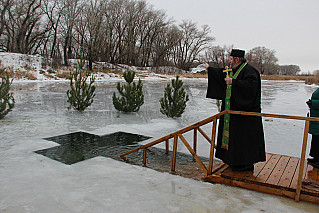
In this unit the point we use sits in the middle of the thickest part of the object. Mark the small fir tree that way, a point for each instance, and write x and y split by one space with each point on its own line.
6 98
132 95
173 103
81 94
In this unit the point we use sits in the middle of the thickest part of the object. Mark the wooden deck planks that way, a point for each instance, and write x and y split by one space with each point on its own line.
277 175
264 174
294 181
247 175
258 167
236 175
220 169
289 172
278 171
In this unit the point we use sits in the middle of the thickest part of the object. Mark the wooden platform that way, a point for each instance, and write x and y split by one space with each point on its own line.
277 175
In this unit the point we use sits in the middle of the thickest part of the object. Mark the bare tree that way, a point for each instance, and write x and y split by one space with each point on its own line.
136 11
153 25
316 72
52 10
288 69
25 29
263 59
4 6
117 31
89 30
117 23
69 16
192 43
131 30
217 56
163 46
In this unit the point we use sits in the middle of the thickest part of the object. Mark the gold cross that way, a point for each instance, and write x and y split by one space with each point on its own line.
227 71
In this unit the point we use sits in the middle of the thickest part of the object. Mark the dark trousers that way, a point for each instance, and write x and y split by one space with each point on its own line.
314 148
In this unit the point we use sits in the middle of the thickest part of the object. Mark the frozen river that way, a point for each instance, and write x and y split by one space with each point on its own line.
41 110
34 183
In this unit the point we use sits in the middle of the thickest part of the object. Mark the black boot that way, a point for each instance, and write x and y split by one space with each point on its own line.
243 168
313 160
316 165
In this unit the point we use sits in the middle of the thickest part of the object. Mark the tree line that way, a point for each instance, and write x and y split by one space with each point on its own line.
116 31
262 58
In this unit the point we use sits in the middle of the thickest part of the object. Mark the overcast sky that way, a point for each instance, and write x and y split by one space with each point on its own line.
290 27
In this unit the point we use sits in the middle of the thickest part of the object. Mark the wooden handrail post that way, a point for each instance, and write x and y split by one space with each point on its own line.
212 146
144 156
167 146
174 153
195 140
302 161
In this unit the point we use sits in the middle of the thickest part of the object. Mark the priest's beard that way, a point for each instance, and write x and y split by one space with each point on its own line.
233 66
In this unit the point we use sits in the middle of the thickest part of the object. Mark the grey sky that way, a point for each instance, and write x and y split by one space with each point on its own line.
290 27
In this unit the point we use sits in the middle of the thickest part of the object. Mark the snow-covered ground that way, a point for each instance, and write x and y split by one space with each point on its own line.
40 69
33 183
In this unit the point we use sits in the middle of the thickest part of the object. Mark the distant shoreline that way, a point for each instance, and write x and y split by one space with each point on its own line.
23 77
286 77
306 78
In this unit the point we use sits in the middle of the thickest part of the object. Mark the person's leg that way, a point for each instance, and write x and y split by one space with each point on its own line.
314 149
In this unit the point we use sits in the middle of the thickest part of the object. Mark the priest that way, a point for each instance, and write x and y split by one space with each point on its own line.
240 141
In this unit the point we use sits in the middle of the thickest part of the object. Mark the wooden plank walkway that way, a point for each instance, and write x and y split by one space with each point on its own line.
278 175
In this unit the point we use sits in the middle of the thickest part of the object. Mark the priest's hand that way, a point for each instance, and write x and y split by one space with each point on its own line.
228 81
205 65
309 103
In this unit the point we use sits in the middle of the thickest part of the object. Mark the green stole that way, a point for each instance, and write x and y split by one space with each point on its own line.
227 107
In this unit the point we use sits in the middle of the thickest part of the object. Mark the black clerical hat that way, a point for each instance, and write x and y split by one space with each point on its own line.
237 53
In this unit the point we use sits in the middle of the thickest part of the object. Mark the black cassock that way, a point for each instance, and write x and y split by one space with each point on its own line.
246 136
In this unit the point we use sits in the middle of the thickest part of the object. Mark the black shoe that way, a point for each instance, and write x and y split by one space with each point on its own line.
243 168
313 160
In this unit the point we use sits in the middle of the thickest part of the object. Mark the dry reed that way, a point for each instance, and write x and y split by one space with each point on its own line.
313 79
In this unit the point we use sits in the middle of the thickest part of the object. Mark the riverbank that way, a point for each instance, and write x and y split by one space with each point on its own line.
306 78
264 77
21 67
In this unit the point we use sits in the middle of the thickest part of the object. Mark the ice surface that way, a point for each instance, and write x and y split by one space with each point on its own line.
33 183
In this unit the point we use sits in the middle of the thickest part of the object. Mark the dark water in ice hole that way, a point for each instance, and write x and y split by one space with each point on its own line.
79 146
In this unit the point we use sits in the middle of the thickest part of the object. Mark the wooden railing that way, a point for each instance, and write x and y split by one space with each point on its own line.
196 128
